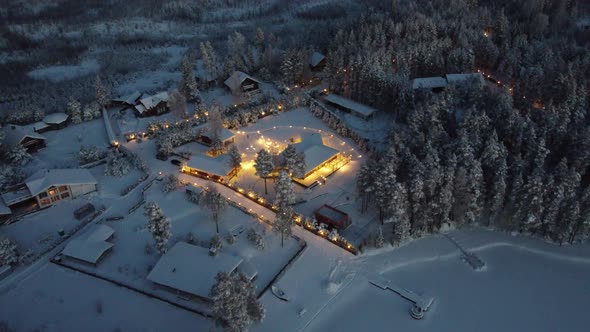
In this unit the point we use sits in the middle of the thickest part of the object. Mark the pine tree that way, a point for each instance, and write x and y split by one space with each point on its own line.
285 193
188 84
169 183
8 253
210 60
264 166
284 221
88 154
445 199
216 203
10 175
177 105
259 38
18 155
158 225
117 165
74 110
289 156
365 183
235 303
215 126
102 93
380 240
235 159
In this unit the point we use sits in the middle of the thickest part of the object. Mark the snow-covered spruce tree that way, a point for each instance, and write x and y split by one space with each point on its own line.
235 159
365 183
9 176
445 200
158 225
468 185
210 60
188 84
284 221
235 303
177 105
289 156
380 240
264 166
216 203
74 110
285 193
215 126
495 172
299 166
90 153
18 155
117 165
170 183
8 253
102 93
384 181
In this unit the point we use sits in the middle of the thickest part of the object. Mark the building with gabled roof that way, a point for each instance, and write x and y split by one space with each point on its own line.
429 83
51 186
152 105
129 100
204 135
24 136
317 61
315 152
241 83
216 168
56 120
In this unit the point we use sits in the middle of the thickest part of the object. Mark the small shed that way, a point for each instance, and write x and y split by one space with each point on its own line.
241 83
317 61
350 106
437 83
204 135
152 105
56 120
24 136
466 78
91 246
129 100
332 217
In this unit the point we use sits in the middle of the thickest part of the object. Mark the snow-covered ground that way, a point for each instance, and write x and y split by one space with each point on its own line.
60 73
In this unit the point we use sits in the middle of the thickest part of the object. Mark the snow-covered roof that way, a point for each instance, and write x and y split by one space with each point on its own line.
130 99
225 134
4 210
352 105
140 109
46 178
39 125
56 118
331 213
150 102
91 245
213 165
248 269
237 78
314 150
14 134
429 83
316 58
463 78
191 269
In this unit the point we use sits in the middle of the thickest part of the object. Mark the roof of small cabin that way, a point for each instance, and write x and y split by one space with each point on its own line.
56 118
14 134
316 58
45 178
91 245
237 78
4 210
350 104
140 109
150 102
429 82
225 134
331 213
213 165
462 78
315 152
39 125
130 98
191 269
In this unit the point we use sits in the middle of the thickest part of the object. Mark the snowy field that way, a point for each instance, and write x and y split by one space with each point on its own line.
60 73
528 285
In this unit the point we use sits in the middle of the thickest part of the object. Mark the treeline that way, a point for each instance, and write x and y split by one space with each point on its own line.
468 156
